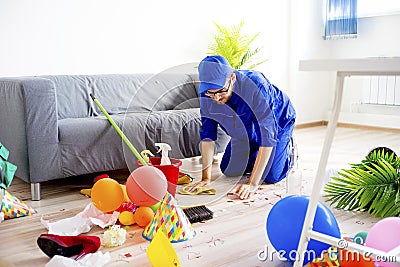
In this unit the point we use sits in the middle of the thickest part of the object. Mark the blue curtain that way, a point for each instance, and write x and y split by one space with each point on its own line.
340 19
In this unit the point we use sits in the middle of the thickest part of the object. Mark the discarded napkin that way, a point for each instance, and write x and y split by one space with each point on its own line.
97 259
82 222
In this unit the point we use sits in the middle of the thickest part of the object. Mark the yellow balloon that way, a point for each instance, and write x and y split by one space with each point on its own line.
126 198
126 218
107 194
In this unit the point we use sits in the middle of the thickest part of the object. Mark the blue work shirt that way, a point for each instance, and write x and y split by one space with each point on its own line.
257 112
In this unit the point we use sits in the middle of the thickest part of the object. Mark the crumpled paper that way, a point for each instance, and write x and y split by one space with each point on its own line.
82 222
97 259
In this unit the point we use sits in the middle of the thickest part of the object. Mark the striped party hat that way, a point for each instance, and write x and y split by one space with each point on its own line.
170 219
12 207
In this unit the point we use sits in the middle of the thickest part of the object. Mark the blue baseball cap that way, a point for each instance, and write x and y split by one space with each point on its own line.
213 72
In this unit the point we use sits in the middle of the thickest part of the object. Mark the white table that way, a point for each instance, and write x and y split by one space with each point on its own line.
343 68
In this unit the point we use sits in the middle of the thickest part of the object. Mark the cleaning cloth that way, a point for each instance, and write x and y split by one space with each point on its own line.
198 191
184 178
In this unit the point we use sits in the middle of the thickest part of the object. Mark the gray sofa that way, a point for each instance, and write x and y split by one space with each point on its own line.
53 129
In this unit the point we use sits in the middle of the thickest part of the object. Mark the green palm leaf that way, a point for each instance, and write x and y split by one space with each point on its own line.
372 185
232 44
378 153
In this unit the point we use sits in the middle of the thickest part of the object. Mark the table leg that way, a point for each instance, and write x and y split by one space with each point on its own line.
318 182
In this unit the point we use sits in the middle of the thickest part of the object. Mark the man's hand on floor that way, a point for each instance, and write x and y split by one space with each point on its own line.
192 187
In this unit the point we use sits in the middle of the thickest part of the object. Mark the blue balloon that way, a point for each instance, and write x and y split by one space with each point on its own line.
285 222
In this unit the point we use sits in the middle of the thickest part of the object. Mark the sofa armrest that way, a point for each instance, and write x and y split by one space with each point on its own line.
42 129
12 125
30 109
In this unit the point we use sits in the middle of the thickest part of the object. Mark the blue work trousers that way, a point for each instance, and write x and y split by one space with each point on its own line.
240 156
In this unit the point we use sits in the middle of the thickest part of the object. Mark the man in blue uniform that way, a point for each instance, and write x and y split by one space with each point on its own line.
257 116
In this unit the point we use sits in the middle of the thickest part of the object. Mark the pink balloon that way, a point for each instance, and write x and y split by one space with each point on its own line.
146 186
385 236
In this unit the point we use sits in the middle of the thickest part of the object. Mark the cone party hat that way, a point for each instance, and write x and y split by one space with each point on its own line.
12 207
170 219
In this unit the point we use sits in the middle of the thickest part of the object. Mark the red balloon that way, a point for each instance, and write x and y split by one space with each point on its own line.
146 186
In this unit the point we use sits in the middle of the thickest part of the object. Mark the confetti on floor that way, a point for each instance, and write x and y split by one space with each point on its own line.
124 257
132 235
193 255
215 241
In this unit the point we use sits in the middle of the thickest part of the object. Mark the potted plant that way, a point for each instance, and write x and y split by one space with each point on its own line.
372 185
232 44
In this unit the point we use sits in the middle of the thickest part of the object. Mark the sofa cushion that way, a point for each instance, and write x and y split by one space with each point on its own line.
88 145
92 144
104 149
123 93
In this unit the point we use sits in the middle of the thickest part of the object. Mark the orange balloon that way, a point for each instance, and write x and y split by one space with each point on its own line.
143 216
349 258
107 194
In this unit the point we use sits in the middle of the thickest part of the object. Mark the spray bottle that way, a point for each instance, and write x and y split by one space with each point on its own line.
164 147
294 176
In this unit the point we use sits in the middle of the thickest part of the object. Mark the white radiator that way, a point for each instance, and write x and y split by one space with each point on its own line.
374 101
381 90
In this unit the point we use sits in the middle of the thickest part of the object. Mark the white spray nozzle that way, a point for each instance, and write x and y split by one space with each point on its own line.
164 148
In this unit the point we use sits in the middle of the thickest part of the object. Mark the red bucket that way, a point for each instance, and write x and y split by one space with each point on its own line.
171 171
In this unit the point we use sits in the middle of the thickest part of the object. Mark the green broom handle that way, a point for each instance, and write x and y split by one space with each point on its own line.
126 140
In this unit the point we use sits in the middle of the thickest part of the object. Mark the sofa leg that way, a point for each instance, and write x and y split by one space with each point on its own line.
35 191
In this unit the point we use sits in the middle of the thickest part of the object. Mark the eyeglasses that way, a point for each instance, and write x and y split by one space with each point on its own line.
222 91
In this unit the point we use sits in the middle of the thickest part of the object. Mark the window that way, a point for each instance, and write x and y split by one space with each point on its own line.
340 19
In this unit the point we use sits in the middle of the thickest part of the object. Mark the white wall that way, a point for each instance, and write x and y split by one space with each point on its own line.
311 91
123 36
378 37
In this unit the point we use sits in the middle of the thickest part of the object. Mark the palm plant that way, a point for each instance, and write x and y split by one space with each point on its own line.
233 45
372 185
